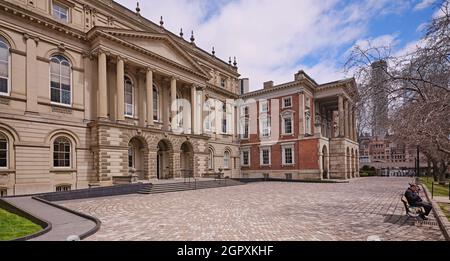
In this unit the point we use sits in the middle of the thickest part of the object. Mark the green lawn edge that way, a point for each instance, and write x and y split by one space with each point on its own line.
13 226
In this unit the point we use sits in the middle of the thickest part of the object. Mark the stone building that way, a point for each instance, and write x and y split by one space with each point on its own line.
300 130
90 95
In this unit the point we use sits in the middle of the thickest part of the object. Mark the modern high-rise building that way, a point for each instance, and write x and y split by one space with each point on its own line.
379 94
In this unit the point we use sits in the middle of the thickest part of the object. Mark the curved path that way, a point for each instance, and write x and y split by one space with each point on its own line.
64 223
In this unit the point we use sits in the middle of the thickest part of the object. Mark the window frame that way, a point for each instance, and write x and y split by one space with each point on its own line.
71 156
7 150
284 102
133 104
261 158
283 156
8 79
289 116
61 6
157 104
63 188
60 103
265 131
226 159
248 151
211 159
264 104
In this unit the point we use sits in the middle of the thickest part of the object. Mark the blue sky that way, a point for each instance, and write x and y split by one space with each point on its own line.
274 39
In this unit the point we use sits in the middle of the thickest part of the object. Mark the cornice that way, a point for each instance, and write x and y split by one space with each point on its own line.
29 16
222 91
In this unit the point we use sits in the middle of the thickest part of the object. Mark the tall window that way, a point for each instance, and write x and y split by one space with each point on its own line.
264 106
61 153
224 118
308 122
211 159
60 80
265 156
245 122
4 66
245 158
60 12
129 105
265 126
3 151
131 152
288 155
155 104
287 124
226 160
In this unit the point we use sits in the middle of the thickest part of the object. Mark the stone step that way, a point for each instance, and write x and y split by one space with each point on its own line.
176 187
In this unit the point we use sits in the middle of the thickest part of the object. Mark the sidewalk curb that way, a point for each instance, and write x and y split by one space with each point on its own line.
443 222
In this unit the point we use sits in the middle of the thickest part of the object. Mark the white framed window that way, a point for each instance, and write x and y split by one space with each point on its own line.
62 151
245 157
4 66
61 188
245 128
288 154
156 105
210 115
60 80
287 102
263 106
3 151
226 160
60 12
265 156
211 159
265 126
287 124
129 97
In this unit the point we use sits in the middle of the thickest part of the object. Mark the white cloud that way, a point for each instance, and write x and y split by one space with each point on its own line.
423 4
271 38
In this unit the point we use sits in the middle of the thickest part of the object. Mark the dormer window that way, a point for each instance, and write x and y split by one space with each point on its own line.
60 12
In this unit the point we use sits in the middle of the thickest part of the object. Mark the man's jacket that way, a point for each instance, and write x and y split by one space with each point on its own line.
412 197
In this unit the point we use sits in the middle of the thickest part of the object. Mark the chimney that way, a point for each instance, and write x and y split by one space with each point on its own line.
268 85
245 86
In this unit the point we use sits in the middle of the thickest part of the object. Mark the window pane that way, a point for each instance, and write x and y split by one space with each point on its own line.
65 97
55 83
4 52
3 85
55 67
55 95
3 163
4 70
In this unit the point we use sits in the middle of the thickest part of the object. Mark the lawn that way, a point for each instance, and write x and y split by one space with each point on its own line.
446 209
13 226
439 190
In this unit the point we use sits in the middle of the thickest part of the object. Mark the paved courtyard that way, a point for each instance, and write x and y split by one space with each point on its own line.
263 211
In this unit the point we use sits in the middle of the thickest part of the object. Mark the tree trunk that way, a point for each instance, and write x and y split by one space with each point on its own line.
435 171
443 170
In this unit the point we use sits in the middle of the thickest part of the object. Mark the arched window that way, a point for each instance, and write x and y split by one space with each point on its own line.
226 160
3 151
211 159
155 103
61 153
4 66
129 97
60 80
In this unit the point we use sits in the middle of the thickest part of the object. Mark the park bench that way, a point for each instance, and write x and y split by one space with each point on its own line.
411 211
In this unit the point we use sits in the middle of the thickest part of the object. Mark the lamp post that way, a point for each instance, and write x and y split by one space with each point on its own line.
418 162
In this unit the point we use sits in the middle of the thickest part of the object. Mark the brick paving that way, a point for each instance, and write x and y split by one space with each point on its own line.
263 211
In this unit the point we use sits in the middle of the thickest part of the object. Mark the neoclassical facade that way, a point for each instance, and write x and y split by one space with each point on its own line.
300 130
92 93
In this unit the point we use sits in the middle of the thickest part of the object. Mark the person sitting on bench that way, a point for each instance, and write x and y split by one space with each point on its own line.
412 195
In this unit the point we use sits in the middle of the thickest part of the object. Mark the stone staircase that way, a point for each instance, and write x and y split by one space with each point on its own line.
185 186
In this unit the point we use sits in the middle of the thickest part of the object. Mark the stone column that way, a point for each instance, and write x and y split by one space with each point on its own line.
355 126
350 113
202 115
102 87
120 87
173 100
149 87
194 115
341 117
31 74
346 120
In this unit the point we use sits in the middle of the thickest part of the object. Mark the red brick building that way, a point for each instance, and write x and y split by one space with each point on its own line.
299 130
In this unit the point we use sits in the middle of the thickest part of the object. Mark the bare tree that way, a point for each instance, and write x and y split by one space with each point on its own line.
414 87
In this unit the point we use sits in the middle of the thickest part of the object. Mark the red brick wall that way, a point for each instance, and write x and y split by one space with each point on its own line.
308 156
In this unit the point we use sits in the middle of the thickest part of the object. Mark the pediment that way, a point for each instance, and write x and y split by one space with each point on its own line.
158 45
